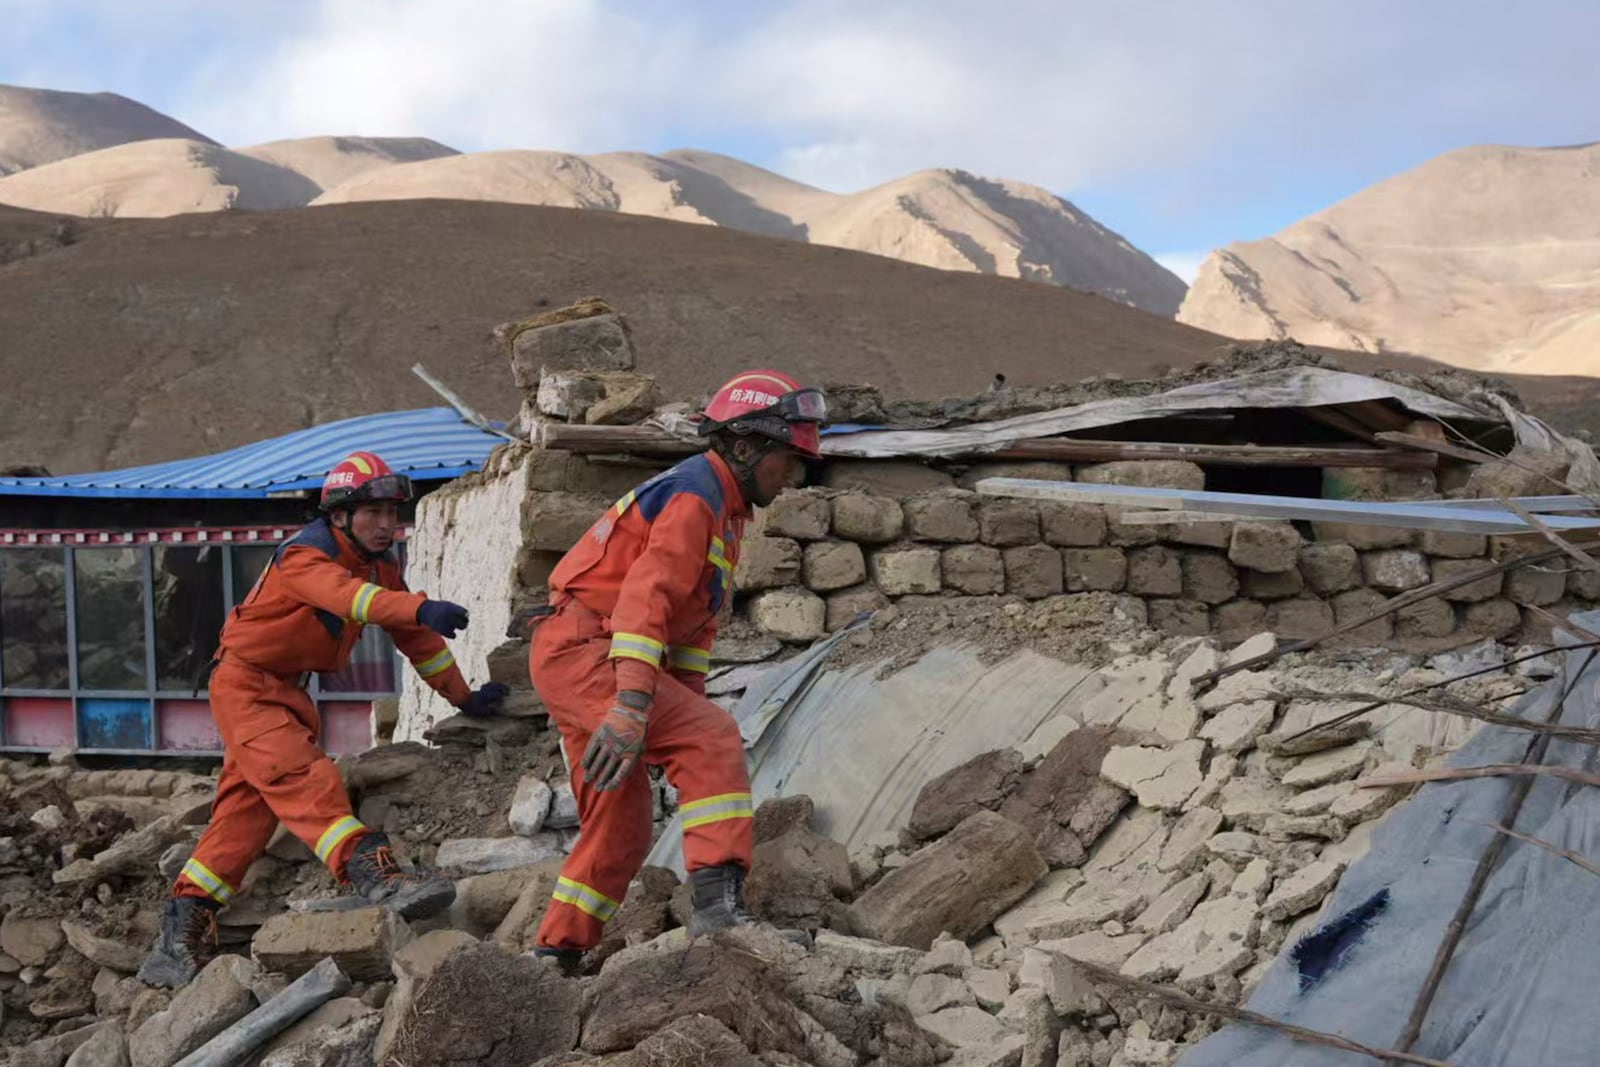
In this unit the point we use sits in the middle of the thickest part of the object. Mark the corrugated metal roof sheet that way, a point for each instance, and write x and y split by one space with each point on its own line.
430 443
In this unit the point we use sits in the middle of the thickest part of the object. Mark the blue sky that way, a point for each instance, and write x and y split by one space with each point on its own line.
1183 125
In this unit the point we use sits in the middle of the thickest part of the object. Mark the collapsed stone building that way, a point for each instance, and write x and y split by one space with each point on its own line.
1014 755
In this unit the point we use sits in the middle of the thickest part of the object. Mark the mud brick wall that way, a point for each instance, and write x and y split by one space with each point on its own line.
877 532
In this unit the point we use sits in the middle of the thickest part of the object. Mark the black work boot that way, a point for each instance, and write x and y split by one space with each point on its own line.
718 899
187 942
569 960
380 878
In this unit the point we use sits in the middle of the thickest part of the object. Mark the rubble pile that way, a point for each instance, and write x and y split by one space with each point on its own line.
1171 834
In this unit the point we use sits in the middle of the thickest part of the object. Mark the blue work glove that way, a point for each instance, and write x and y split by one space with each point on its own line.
485 700
442 617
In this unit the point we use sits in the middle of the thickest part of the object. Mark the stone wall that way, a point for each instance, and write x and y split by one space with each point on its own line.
488 541
875 532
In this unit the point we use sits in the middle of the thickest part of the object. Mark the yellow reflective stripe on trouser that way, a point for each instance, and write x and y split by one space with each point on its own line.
637 646
716 809
201 875
362 601
689 658
336 835
441 661
585 898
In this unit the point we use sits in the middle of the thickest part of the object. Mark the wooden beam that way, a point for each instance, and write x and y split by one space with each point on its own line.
646 440
1082 451
1426 444
1376 414
1338 420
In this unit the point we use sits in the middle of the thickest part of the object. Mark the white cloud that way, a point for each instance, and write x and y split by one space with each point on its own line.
1185 265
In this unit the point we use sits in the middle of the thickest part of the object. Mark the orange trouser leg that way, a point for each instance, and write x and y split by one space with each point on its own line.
696 742
272 772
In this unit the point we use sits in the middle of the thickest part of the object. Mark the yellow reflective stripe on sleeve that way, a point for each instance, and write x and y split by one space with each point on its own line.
637 646
435 664
585 898
625 503
716 809
337 834
362 601
718 556
689 658
201 875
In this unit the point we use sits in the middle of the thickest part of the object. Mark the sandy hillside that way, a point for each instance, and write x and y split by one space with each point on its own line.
327 161
939 218
199 333
1488 258
39 126
156 178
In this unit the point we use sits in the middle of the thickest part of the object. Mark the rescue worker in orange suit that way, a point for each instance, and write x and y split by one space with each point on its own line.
621 663
305 614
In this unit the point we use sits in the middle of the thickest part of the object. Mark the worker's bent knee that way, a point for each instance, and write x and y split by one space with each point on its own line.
278 754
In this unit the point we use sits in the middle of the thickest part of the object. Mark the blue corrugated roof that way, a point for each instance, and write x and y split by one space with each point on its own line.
428 443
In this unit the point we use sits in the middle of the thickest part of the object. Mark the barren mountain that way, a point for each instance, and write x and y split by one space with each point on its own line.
181 336
939 218
1488 258
156 178
40 126
327 161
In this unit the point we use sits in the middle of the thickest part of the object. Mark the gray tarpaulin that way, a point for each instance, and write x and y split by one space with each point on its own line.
1291 387
1523 988
862 748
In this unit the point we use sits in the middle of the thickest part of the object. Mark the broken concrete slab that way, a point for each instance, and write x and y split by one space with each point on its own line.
1247 802
1334 765
947 956
481 855
968 1027
1054 889
1253 882
218 997
529 805
1161 778
1238 688
1185 849
1303 890
1216 940
1319 800
958 884
104 951
1174 906
1097 947
860 955
1238 726
361 940
933 992
1086 909
1235 846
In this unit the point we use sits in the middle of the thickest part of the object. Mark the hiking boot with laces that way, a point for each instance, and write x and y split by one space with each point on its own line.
718 903
718 899
381 879
187 942
568 960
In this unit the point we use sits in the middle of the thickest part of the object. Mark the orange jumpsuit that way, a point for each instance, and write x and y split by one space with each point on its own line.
645 589
304 614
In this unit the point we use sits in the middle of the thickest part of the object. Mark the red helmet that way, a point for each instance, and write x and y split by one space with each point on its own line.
362 477
773 405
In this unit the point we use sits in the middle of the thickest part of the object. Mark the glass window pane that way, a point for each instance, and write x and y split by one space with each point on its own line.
188 592
248 563
371 666
33 618
110 619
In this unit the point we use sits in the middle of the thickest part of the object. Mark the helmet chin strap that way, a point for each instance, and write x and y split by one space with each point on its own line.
348 529
744 471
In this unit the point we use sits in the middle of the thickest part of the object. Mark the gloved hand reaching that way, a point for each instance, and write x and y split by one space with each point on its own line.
442 617
619 742
485 700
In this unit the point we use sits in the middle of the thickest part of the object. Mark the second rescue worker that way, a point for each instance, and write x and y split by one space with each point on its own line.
305 614
622 663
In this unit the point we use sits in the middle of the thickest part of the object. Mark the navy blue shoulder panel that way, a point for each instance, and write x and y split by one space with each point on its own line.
694 475
317 535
